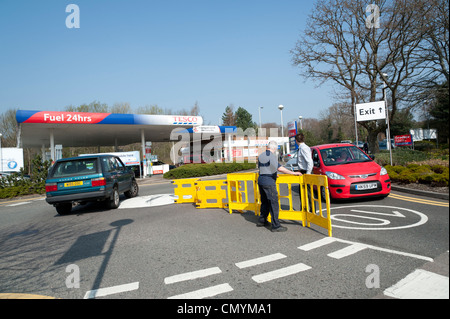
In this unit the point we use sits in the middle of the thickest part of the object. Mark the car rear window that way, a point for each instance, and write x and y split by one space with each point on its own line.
75 167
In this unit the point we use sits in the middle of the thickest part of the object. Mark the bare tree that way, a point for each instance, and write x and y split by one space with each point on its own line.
95 107
9 128
433 54
152 109
122 108
343 45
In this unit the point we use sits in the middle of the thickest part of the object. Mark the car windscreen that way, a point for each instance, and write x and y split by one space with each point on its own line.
75 167
343 155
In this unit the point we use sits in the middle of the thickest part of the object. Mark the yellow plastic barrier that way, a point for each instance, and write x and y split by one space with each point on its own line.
315 184
291 213
212 194
186 190
239 196
242 192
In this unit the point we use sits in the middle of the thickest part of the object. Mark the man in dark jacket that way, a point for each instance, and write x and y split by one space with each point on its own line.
268 168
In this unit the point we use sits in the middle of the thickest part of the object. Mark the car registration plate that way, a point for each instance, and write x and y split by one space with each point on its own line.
73 184
365 186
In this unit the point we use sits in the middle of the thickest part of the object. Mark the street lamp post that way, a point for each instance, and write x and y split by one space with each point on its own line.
281 107
388 137
259 109
300 120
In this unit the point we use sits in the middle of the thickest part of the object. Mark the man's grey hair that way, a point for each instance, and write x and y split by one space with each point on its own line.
272 145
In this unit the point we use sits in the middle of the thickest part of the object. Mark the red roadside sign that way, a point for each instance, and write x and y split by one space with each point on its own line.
403 140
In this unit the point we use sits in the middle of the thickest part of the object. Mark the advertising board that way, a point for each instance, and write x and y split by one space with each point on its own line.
292 131
11 159
403 140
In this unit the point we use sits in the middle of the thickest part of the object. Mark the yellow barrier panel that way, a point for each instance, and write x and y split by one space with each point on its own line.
239 195
211 194
291 213
185 190
317 184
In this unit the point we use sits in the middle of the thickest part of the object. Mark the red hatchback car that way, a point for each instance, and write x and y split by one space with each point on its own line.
351 172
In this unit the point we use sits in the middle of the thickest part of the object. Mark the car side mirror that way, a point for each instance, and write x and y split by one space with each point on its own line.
372 157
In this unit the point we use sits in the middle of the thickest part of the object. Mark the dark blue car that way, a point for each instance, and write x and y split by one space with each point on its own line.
88 178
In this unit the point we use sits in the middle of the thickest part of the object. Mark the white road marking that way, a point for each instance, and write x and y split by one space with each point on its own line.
261 260
192 275
148 201
205 293
318 243
18 204
347 251
396 252
395 213
356 247
420 284
111 290
279 273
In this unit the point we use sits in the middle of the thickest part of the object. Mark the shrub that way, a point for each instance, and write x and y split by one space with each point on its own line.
439 169
424 146
401 156
413 167
436 175
441 180
407 178
19 184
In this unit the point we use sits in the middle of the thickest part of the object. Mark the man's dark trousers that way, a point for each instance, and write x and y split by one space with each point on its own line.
269 202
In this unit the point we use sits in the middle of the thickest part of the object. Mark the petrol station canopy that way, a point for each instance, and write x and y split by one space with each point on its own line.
45 129
77 129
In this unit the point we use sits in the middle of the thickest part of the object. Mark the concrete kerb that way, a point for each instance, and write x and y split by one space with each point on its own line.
420 192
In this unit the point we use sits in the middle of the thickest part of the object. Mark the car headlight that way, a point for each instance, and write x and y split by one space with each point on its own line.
332 175
383 171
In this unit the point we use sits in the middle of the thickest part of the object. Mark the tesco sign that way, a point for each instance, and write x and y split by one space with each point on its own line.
185 120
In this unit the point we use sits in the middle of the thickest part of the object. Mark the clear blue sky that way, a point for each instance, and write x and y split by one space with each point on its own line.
168 52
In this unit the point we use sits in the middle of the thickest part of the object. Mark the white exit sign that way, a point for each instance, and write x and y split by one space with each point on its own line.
370 111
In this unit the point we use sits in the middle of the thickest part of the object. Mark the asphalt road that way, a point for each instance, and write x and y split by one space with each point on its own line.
149 249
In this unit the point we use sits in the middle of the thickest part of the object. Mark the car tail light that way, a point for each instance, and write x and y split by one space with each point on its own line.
51 187
98 182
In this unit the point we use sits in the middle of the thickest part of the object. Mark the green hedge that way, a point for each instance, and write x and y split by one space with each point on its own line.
199 170
404 156
433 175
20 184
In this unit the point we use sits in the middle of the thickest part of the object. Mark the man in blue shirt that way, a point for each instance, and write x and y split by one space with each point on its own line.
268 168
304 158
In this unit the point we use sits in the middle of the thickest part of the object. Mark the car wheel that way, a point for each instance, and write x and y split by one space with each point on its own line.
134 190
113 202
323 194
64 208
